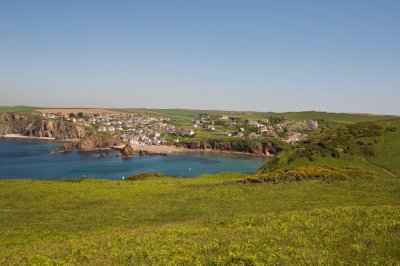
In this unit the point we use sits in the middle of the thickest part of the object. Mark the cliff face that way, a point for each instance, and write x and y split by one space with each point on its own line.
94 142
33 126
235 145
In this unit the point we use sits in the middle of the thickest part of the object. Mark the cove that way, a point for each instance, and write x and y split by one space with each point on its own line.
31 159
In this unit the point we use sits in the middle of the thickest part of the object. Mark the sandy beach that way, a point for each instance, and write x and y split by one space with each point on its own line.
19 136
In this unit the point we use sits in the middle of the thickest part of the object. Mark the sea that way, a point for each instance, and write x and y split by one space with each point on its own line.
31 159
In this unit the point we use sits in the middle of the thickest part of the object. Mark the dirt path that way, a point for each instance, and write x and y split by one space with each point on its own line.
382 147
378 166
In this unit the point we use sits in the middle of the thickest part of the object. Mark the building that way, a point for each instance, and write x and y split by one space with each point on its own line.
253 135
271 134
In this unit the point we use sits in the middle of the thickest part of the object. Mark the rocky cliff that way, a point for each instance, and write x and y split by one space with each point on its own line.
94 142
34 126
234 145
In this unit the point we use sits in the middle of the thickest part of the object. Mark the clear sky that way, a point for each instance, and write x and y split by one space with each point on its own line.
341 55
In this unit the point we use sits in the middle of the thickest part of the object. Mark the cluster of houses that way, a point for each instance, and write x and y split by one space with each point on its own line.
129 127
113 122
290 131
143 129
137 138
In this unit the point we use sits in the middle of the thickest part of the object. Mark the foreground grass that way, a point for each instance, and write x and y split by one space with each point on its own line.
204 220
215 220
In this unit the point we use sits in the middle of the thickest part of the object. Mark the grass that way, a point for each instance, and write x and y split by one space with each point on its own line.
343 118
335 118
206 220
183 117
216 220
178 117
389 147
23 110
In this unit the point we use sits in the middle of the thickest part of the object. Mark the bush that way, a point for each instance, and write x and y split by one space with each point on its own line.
143 176
321 173
359 139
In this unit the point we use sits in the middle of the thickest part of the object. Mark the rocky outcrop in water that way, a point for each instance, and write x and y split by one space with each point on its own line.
94 142
90 143
127 151
66 147
35 126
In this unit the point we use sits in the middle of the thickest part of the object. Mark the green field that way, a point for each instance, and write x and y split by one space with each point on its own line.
344 118
24 110
183 117
294 210
340 118
178 117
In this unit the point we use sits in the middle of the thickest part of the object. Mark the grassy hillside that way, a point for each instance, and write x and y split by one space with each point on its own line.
333 199
344 118
363 145
214 219
339 118
183 117
389 147
203 220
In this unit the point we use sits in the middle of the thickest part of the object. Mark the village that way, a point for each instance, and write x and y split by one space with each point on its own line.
290 131
138 129
129 127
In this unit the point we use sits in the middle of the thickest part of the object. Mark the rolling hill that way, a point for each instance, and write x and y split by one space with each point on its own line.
219 219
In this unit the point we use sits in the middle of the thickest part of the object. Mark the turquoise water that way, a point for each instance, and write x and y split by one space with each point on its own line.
31 159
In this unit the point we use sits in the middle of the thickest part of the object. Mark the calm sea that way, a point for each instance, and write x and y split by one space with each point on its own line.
31 159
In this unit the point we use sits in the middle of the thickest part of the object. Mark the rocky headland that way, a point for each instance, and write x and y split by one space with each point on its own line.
35 126
240 146
77 137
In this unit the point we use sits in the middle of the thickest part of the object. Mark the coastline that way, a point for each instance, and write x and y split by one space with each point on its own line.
22 137
150 149
19 136
164 149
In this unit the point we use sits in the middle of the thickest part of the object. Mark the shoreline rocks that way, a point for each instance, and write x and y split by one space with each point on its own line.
127 151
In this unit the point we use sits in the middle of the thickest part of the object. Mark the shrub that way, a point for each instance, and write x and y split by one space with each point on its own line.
142 176
321 173
359 139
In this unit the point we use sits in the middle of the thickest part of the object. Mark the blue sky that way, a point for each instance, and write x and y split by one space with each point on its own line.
341 56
